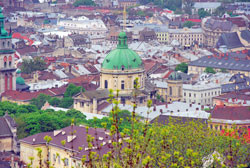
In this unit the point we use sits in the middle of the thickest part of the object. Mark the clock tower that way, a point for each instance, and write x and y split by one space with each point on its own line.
7 67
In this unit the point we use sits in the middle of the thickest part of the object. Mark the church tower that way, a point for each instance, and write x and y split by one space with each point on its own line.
7 68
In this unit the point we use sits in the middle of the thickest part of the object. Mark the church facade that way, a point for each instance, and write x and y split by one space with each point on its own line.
119 71
7 68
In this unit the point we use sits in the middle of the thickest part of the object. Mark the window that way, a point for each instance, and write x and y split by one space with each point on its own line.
66 162
82 104
10 64
106 84
170 91
123 100
123 68
184 93
5 64
194 95
201 95
141 100
189 94
122 85
211 126
3 44
134 83
54 157
59 160
8 43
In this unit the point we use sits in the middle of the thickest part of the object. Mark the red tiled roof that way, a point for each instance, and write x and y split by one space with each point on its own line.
82 79
194 20
167 75
26 49
19 36
241 95
27 96
148 64
231 113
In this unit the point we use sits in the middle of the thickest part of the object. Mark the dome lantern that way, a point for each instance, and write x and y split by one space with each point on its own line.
122 41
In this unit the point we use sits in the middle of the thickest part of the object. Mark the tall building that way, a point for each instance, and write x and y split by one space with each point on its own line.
7 68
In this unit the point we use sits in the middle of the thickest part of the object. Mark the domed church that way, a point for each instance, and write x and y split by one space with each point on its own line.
119 71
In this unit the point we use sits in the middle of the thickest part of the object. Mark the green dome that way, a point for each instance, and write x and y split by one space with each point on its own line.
174 76
18 71
122 57
20 81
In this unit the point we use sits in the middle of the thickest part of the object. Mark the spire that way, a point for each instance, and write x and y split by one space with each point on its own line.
124 18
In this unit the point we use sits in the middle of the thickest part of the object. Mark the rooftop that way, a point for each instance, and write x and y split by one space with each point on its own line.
231 61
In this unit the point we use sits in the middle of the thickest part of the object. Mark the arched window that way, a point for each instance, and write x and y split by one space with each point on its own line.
122 85
8 43
134 83
10 61
122 67
106 84
3 44
5 62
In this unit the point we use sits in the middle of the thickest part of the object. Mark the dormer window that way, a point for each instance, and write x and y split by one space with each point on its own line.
123 67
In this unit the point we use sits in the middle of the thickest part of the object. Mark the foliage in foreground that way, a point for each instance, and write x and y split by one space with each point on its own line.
174 145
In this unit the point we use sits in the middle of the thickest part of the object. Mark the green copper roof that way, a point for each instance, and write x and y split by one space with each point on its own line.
18 71
20 80
174 76
122 57
3 33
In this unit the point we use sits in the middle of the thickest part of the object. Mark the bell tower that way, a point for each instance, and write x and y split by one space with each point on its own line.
7 68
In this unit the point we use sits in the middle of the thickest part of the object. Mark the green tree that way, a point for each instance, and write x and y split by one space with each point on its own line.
202 13
40 100
223 70
188 24
188 4
220 11
73 90
210 70
84 3
66 102
29 66
183 67
54 101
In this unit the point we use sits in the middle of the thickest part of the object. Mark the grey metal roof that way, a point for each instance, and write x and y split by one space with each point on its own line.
214 24
231 40
233 61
